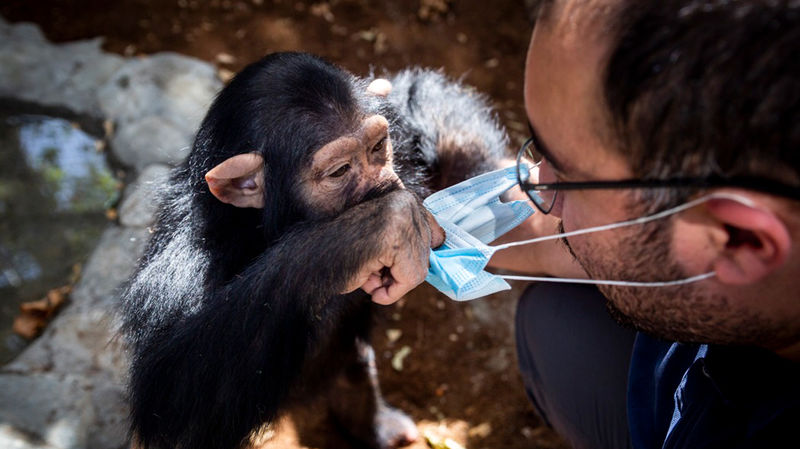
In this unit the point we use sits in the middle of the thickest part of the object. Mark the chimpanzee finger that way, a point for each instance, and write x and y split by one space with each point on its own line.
368 271
406 271
392 292
438 234
381 296
374 282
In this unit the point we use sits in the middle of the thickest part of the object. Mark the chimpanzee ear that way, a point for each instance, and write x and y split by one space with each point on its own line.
239 181
380 87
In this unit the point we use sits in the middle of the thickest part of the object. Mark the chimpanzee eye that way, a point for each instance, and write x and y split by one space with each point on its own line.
340 171
379 146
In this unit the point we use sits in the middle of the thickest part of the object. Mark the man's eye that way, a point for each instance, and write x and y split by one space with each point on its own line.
340 171
379 146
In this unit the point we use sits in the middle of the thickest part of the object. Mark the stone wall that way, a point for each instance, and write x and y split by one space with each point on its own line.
67 389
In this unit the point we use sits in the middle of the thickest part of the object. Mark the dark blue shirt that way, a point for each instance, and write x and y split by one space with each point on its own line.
705 396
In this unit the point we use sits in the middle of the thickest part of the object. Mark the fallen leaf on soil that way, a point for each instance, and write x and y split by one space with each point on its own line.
225 75
482 430
393 334
433 9
381 43
366 35
34 315
439 443
397 360
225 58
323 10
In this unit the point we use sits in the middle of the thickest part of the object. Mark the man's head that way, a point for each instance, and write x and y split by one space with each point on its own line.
620 89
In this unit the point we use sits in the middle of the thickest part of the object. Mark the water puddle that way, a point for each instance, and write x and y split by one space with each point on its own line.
55 186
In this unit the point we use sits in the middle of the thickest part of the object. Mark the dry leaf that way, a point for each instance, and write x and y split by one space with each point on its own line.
34 315
323 10
436 442
225 58
482 430
433 9
225 75
399 356
393 334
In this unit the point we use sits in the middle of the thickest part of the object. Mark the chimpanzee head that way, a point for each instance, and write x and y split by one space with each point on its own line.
296 136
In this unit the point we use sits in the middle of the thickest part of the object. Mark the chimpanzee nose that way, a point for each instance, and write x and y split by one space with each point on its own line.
386 174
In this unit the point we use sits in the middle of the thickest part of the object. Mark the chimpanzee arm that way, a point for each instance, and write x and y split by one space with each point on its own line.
203 384
400 242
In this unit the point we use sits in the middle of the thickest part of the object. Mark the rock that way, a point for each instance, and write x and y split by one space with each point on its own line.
499 362
93 70
156 102
56 75
150 140
140 202
20 32
81 338
63 411
164 85
67 388
54 407
11 438
485 311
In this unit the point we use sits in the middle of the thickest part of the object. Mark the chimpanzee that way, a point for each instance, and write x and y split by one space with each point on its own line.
238 307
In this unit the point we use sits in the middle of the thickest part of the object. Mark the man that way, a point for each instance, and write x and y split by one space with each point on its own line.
684 99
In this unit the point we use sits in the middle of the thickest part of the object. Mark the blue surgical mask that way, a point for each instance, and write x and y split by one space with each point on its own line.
472 215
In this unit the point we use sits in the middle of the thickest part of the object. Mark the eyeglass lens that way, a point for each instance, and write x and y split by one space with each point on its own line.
544 199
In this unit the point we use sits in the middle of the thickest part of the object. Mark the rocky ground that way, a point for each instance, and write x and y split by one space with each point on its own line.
459 376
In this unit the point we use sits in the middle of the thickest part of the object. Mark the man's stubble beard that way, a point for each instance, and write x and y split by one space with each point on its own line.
685 313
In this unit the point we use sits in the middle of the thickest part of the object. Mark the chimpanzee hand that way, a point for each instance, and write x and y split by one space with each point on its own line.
401 261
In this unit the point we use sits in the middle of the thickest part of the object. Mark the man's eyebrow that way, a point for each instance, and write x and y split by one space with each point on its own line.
543 150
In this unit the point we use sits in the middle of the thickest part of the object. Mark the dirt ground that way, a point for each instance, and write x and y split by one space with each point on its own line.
460 378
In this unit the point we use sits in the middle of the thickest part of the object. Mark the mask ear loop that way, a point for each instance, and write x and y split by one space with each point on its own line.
688 280
635 221
620 224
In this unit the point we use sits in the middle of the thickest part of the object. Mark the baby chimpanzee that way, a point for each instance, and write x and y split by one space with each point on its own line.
237 308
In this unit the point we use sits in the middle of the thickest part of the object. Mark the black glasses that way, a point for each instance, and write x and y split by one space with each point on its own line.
544 195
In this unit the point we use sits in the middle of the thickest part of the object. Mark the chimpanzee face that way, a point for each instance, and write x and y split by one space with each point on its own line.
343 171
340 174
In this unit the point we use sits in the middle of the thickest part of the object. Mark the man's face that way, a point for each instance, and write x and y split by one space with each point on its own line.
564 101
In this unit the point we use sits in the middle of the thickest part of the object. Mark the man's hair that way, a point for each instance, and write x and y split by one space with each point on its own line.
700 88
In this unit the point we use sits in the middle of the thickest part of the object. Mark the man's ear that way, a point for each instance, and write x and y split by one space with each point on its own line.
755 241
239 181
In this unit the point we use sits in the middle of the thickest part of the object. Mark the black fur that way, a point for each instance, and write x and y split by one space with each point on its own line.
232 311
